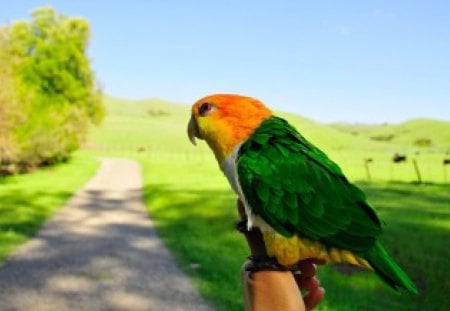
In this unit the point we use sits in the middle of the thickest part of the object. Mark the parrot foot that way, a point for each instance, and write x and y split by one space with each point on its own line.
241 226
260 261
266 263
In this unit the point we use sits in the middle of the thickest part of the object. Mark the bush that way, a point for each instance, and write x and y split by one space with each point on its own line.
9 104
386 137
51 97
423 142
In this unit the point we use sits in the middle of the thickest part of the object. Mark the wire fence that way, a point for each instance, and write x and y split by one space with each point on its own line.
424 168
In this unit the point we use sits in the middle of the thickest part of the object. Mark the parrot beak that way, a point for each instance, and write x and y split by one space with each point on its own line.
193 131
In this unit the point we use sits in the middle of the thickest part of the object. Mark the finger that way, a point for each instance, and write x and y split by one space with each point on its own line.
306 283
313 298
307 268
318 261
310 284
307 271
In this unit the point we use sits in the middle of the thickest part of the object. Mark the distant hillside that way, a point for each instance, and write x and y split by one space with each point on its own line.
129 122
329 138
164 123
416 133
152 107
157 128
151 124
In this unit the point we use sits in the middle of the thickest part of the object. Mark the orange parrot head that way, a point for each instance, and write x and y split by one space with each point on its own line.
225 120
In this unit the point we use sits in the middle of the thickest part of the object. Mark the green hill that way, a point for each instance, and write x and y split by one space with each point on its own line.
156 123
157 128
152 125
416 133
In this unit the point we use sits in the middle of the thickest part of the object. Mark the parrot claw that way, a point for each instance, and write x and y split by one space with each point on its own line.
266 263
241 226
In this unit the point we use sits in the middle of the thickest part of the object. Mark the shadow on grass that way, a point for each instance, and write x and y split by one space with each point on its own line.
198 226
22 214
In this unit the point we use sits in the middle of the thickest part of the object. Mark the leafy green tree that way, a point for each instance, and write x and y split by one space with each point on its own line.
9 104
54 85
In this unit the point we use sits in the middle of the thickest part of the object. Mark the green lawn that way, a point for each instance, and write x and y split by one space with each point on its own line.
195 213
28 200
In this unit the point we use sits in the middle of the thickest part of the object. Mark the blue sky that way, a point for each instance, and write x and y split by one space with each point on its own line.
355 61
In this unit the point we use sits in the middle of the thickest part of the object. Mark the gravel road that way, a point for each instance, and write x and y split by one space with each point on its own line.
99 252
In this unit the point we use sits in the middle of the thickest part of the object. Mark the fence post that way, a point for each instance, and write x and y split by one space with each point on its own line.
416 168
366 164
445 173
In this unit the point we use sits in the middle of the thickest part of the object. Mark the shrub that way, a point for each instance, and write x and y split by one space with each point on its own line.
51 96
386 137
423 142
9 104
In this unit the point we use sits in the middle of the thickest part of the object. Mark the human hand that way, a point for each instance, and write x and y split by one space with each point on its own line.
307 281
279 290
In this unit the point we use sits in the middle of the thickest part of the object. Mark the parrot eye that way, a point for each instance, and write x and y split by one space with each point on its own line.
205 108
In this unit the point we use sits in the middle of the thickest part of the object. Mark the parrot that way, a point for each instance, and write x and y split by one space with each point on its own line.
298 198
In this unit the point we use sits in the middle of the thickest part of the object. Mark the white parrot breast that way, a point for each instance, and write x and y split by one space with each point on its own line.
229 168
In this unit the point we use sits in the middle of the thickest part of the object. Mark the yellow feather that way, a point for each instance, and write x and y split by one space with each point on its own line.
348 257
334 255
289 251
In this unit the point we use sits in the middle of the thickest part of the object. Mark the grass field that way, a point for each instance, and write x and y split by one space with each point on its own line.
28 200
194 208
196 218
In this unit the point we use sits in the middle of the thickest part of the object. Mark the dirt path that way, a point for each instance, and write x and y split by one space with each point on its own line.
100 252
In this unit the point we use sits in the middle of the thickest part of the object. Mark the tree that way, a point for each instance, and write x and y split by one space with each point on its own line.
9 104
54 84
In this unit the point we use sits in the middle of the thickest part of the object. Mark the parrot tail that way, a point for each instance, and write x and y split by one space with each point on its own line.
388 270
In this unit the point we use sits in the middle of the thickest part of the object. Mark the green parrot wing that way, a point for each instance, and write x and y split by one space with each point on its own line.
297 189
